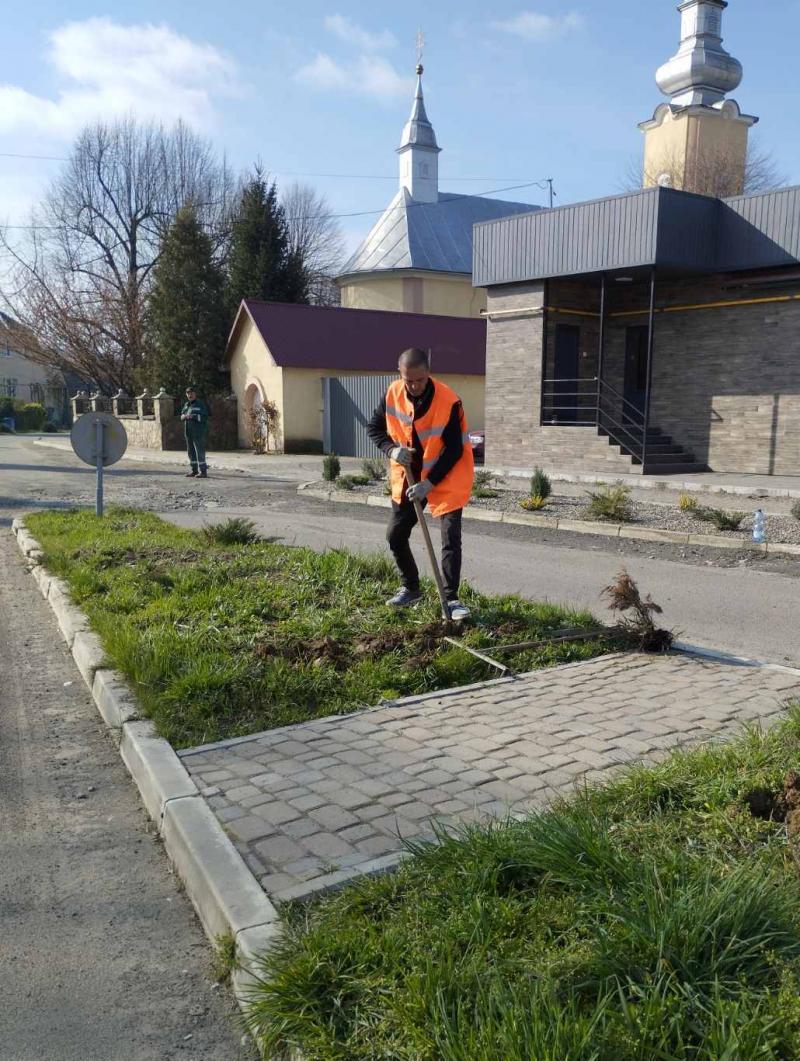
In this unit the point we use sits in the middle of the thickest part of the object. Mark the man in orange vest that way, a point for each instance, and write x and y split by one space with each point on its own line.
420 425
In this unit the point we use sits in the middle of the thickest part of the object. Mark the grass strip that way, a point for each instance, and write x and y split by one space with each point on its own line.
221 639
653 918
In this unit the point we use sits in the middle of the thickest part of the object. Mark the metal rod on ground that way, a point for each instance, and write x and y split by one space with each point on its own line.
480 655
99 447
431 553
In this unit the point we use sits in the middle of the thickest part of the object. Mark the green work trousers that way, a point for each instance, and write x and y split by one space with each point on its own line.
196 446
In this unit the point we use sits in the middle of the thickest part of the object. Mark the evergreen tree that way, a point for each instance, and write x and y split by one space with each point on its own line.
261 263
187 318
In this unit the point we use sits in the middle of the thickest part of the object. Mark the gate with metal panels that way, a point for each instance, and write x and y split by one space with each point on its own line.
348 402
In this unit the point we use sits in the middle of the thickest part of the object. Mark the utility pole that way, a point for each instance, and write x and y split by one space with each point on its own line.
552 193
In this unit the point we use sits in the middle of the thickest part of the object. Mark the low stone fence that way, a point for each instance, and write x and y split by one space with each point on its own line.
152 421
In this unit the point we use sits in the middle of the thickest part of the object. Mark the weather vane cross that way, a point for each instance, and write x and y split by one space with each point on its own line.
420 46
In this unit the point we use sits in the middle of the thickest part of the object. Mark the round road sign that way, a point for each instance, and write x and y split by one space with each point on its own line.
84 438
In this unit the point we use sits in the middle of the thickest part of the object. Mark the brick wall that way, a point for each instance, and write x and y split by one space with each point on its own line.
726 381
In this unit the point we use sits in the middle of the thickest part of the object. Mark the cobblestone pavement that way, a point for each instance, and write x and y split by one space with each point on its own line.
311 805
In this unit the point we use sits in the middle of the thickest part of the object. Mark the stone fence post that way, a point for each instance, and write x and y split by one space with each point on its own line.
163 406
119 402
79 403
144 404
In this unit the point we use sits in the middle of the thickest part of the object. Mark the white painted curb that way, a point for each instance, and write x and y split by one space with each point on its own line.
227 898
574 526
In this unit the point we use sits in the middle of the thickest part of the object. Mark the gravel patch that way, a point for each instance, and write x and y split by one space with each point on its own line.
645 514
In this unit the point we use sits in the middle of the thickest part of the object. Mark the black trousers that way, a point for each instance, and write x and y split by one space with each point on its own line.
398 533
196 447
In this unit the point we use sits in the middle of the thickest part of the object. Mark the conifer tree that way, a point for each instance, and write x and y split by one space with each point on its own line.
260 262
187 318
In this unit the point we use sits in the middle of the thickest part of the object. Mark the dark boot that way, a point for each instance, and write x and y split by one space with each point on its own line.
203 471
193 473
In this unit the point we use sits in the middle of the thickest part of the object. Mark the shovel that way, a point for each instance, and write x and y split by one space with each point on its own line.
426 534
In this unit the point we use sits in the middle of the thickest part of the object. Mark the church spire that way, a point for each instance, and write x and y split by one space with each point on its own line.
418 150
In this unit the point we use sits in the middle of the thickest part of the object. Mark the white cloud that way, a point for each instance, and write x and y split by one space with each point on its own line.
533 26
345 29
106 69
370 75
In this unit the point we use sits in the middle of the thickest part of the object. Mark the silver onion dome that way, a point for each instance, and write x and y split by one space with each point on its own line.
701 72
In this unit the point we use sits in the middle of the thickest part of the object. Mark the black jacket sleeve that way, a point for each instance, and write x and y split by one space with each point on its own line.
376 429
453 447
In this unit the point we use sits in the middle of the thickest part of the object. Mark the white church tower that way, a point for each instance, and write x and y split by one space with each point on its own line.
419 152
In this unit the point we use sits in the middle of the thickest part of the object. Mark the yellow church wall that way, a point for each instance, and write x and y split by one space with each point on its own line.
448 296
679 144
251 362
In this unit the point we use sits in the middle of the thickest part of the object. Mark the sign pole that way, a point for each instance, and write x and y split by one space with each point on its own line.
99 451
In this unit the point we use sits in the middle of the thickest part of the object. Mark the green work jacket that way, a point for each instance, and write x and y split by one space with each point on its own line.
199 412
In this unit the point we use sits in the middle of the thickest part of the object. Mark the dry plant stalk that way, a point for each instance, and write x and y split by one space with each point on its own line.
624 596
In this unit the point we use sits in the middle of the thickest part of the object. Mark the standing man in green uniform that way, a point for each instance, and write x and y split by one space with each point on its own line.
195 414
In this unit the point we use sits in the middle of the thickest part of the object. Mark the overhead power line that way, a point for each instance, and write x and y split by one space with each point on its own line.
356 213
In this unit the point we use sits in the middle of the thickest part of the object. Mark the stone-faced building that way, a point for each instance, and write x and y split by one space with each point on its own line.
657 331
418 256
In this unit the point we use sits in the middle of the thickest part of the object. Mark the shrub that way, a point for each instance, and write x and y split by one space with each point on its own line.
349 482
374 469
331 468
687 503
533 503
795 510
540 484
233 531
28 416
481 485
623 596
722 520
610 502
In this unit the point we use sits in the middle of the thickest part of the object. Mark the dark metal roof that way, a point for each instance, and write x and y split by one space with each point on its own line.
365 340
654 226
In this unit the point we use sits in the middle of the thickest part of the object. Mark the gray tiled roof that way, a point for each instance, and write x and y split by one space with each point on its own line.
435 236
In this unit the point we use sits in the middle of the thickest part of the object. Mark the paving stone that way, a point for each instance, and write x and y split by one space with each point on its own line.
327 845
276 812
333 818
280 850
378 845
357 832
247 829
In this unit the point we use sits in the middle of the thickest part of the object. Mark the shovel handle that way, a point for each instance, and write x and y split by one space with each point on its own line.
426 534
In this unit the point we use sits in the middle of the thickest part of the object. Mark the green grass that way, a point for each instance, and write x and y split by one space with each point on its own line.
222 640
654 919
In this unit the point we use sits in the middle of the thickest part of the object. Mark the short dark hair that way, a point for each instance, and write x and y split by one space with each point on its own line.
414 358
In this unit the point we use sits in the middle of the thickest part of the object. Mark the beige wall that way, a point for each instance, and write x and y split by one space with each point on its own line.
691 146
252 362
415 291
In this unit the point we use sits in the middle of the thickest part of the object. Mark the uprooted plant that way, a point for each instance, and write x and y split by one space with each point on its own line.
636 614
722 520
482 485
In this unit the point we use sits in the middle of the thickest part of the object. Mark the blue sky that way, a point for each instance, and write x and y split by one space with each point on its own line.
517 92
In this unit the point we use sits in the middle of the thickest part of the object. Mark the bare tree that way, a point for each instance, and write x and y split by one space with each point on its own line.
315 236
715 174
81 280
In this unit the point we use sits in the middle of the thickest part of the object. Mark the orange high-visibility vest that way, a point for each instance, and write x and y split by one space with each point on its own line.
454 490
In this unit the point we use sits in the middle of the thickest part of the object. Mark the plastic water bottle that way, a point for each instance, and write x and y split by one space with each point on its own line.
759 527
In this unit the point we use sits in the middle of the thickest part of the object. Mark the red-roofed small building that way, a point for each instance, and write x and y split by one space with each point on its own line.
281 352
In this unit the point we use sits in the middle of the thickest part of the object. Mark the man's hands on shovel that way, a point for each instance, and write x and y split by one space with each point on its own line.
419 491
402 455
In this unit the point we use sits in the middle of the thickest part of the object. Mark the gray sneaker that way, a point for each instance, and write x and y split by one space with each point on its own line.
458 612
404 598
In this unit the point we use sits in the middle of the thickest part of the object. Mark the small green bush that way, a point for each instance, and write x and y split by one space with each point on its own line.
610 502
540 484
233 531
28 416
349 482
795 510
374 469
331 468
481 485
722 520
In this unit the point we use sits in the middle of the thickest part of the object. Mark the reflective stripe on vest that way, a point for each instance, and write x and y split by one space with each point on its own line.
454 490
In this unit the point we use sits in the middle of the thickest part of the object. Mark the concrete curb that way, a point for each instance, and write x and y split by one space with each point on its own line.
573 526
227 898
